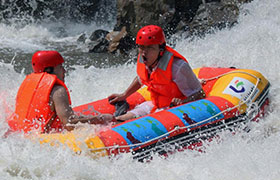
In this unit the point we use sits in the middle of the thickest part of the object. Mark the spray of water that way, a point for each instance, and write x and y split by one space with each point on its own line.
251 44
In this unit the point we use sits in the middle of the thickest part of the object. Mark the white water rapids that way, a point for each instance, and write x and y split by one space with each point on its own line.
254 43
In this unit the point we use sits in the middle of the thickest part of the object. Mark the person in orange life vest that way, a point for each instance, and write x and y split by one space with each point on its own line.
43 102
165 72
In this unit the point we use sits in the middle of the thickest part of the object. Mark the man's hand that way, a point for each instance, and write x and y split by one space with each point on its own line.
176 102
107 118
196 96
116 98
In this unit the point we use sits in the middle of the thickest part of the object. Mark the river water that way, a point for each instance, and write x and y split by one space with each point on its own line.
254 43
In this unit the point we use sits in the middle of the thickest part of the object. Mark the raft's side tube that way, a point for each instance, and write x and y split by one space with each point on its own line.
226 92
236 85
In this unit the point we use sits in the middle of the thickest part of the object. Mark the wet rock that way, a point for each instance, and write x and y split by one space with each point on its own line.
188 17
135 14
99 47
81 11
114 38
126 44
82 38
98 35
210 16
97 41
113 41
236 2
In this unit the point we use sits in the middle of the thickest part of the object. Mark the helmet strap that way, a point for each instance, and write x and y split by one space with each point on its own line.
155 62
49 70
158 58
160 54
161 51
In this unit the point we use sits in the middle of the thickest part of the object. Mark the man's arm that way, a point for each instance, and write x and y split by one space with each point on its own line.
64 111
133 87
186 81
198 95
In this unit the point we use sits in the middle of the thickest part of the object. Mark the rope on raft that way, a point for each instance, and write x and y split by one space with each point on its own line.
195 124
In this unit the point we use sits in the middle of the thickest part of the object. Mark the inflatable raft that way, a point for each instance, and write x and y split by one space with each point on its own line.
233 96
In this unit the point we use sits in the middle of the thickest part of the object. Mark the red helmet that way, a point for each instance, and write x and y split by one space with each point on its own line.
43 59
149 35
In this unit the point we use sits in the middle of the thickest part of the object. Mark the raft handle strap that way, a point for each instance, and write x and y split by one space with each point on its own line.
176 128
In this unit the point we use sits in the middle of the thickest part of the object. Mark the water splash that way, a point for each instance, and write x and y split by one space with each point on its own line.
253 43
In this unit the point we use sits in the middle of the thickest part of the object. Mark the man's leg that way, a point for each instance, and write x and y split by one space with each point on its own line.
140 110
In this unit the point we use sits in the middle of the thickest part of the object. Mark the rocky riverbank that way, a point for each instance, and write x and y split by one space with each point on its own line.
181 17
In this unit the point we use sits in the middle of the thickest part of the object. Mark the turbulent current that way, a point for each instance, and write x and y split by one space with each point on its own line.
253 43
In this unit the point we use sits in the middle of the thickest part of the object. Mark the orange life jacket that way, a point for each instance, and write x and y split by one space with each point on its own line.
160 83
33 111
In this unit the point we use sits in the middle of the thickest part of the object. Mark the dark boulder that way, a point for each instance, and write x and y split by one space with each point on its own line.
98 34
100 47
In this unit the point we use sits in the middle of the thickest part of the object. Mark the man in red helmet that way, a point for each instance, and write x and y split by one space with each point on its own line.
43 102
165 72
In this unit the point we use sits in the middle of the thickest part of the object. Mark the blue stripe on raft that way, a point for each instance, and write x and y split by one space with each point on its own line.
197 111
140 130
